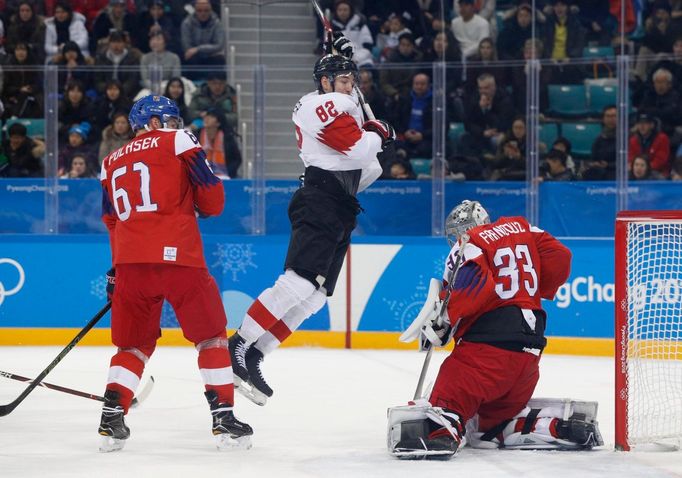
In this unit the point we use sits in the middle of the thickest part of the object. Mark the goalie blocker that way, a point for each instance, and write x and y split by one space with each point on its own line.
420 431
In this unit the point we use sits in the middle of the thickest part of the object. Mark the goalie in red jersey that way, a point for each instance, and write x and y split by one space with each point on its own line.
495 276
154 188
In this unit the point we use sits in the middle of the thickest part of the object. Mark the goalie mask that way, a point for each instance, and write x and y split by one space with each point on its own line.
332 66
463 217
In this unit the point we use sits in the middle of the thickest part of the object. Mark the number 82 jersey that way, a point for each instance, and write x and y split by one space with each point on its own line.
153 187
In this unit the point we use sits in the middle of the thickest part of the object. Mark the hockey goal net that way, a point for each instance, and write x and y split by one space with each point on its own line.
648 329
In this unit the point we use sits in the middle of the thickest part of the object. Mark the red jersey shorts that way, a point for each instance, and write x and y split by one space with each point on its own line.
490 381
138 299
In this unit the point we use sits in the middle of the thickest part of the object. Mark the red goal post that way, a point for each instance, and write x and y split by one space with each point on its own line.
648 329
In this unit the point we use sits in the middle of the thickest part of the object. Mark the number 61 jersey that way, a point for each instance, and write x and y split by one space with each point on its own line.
506 263
152 188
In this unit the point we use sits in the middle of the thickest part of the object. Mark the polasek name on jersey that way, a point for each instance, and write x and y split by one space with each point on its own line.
4 291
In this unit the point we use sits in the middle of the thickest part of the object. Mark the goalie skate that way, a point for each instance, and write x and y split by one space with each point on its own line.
423 432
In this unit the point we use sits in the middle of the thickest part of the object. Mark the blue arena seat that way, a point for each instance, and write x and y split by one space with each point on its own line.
581 136
421 166
601 96
34 127
455 131
547 133
598 52
567 100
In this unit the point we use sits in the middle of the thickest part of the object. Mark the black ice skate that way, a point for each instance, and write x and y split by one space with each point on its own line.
416 443
579 431
112 427
238 348
260 390
229 432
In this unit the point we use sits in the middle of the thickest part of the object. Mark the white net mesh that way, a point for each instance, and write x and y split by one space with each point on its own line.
654 352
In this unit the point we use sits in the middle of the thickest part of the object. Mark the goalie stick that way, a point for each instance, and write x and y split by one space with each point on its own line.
137 401
443 308
329 49
7 409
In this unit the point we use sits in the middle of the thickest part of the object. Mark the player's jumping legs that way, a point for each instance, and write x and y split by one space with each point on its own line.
272 304
271 339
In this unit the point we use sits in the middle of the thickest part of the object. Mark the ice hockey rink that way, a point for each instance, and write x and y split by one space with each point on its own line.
326 419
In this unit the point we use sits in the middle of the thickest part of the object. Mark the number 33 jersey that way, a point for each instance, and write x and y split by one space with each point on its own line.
329 136
153 188
508 262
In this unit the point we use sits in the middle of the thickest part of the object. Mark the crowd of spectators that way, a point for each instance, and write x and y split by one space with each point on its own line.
110 52
486 44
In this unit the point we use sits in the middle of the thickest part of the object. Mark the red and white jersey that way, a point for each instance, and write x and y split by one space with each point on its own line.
329 135
508 262
152 187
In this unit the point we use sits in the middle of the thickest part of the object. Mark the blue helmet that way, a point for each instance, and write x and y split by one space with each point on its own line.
146 108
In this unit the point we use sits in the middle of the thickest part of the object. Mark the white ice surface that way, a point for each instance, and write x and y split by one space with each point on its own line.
326 419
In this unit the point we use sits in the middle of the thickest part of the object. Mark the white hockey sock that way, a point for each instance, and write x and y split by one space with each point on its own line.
291 321
272 304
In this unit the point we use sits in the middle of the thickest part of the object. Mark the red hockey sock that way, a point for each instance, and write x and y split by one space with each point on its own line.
216 371
125 371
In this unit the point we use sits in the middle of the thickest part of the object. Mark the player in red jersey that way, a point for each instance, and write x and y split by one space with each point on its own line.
154 188
495 276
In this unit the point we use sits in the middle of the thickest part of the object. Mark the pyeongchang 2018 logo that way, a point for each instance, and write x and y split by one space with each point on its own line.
4 290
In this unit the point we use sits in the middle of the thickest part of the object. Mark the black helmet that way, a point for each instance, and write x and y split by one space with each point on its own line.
332 65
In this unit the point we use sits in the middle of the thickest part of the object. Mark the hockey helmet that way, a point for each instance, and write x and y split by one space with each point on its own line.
149 106
464 216
332 66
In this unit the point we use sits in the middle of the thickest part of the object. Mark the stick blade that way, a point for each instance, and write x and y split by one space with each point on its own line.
144 393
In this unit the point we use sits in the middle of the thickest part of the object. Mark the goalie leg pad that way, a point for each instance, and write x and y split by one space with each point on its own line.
420 431
545 424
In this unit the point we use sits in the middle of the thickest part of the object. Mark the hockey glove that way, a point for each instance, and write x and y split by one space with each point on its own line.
383 129
438 332
343 45
111 282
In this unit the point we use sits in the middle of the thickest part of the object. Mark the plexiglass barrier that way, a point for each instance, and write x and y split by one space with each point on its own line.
521 122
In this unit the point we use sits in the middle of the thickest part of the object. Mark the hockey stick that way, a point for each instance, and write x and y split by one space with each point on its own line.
7 409
329 49
137 401
443 308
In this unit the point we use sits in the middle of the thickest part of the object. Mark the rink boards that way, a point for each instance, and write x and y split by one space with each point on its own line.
50 286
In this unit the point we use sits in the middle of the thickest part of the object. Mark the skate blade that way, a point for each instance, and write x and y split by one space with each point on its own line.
225 442
109 444
250 392
422 454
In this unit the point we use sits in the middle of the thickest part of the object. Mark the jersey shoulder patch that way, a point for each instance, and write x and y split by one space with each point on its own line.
184 141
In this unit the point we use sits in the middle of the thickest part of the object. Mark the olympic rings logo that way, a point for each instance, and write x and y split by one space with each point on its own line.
22 276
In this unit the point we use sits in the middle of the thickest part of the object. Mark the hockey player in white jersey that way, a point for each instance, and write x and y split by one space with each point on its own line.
339 151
